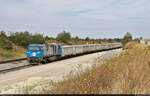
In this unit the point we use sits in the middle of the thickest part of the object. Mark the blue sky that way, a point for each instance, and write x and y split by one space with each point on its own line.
93 18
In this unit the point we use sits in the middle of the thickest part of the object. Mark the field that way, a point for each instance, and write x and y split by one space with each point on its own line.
17 52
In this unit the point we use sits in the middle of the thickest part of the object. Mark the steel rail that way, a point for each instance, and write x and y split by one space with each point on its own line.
13 60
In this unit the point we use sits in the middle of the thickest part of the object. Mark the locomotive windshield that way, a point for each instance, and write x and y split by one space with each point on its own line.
34 48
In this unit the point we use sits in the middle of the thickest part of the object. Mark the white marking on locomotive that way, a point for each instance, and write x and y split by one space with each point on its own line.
33 54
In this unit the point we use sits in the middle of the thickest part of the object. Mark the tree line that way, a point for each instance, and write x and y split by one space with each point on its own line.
25 38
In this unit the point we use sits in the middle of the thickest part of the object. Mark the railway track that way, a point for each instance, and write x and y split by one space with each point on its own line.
17 64
10 65
7 61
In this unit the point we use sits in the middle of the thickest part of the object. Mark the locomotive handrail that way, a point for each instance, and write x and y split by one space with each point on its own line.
7 61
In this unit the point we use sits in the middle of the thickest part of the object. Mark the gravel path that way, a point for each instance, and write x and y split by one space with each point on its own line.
13 82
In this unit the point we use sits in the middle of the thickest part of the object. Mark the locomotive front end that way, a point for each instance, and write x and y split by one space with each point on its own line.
35 53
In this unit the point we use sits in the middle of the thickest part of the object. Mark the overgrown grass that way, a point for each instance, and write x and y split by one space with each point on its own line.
12 54
6 55
127 74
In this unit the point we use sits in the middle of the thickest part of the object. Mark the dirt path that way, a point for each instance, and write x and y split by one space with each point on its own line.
53 71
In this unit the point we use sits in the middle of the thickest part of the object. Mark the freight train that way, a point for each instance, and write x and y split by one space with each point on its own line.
40 53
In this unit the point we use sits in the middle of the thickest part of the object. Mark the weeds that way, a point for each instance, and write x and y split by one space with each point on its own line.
129 74
6 55
17 52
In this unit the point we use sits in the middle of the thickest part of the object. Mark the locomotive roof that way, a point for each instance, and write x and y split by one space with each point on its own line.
35 45
42 44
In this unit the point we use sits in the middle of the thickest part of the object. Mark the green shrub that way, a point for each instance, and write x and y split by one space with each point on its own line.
5 44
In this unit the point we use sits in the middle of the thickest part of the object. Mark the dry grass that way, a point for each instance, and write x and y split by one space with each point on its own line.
133 45
128 74
17 52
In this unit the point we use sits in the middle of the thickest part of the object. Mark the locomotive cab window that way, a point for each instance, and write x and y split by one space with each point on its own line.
34 48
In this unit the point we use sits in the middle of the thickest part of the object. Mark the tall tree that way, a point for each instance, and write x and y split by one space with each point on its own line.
87 39
64 37
127 38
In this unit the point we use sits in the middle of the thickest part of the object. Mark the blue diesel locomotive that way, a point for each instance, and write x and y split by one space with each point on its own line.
38 53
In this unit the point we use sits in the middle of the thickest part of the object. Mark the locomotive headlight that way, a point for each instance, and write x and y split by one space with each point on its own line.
33 54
